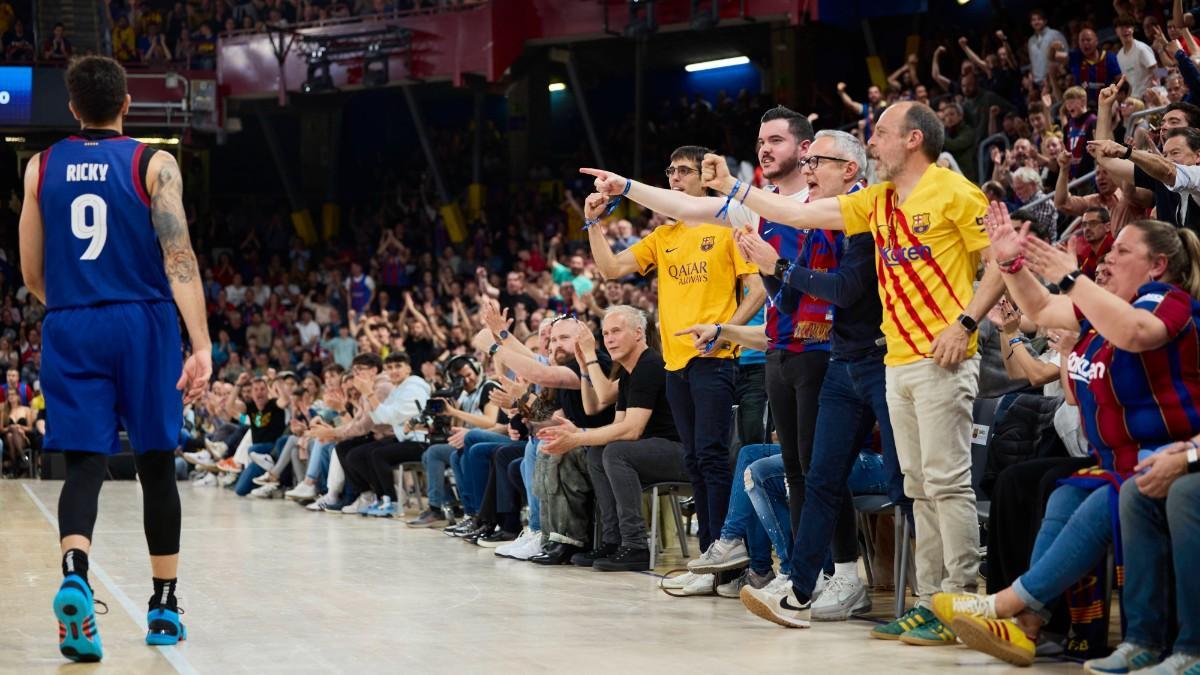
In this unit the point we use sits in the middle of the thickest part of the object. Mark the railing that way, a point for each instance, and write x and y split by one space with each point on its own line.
443 7
983 159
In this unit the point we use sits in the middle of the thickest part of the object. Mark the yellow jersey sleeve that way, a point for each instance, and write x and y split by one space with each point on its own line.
741 266
856 209
969 208
645 252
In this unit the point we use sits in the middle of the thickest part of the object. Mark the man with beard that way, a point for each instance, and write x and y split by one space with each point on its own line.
927 225
700 279
797 324
560 482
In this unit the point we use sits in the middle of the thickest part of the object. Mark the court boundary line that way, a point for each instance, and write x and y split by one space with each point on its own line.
173 656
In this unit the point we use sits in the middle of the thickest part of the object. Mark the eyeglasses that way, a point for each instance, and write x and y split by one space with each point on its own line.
683 171
560 317
815 161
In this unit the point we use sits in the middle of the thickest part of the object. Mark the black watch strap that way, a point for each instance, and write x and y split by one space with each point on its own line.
968 323
1128 152
781 268
1068 282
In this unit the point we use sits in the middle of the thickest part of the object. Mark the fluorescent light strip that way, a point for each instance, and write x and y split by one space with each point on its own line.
719 63
557 86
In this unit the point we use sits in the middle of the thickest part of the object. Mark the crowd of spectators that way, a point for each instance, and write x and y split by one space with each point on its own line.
327 358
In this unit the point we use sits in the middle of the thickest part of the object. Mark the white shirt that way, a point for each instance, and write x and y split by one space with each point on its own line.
743 218
235 294
1137 65
309 332
1039 51
404 403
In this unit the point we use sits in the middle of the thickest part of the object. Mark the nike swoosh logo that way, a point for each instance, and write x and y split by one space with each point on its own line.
786 603
672 250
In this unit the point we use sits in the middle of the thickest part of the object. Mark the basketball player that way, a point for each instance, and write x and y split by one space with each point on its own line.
104 214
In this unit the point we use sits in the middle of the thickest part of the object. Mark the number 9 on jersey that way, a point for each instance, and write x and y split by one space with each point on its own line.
97 231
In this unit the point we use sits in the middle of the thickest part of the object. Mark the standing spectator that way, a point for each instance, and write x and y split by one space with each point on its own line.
575 273
153 47
1080 127
308 330
1027 185
206 47
1135 58
57 47
625 236
867 112
360 287
343 347
17 45
1040 43
1094 241
1091 67
185 49
961 139
124 43
7 16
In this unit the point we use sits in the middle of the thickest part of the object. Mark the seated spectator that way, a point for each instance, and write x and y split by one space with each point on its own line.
205 41
184 51
13 383
19 436
1177 176
1122 330
1120 206
57 47
1027 185
641 446
18 45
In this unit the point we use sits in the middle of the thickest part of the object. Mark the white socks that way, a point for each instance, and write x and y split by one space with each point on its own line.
847 569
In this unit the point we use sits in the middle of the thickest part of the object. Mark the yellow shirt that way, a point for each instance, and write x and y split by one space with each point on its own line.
927 254
698 271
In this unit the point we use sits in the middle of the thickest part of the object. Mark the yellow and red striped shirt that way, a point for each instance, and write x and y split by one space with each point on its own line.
927 255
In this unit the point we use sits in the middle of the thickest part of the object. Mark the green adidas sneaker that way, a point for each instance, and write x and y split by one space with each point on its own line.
930 634
906 622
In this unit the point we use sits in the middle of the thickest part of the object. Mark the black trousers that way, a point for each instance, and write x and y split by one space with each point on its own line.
489 505
357 478
750 395
372 465
794 382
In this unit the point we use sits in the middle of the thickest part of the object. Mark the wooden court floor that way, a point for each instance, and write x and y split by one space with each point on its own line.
269 587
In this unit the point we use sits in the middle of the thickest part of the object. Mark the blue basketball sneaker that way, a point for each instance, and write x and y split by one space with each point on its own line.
74 605
164 627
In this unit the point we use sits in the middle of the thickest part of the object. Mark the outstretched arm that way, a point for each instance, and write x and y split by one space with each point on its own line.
824 214
165 185
669 203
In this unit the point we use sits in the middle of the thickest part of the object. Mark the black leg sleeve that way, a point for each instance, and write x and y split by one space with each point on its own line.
161 513
80 496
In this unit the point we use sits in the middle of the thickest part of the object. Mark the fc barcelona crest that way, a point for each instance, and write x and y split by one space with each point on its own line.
707 243
921 223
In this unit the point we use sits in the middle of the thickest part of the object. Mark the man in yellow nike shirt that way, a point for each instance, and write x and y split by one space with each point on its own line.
926 222
700 277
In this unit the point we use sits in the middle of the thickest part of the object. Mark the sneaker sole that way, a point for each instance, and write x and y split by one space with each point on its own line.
639 567
155 640
924 642
761 610
861 608
68 609
884 636
981 640
726 566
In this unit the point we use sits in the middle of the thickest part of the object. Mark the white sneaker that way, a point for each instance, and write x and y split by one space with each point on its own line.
327 500
689 583
200 457
205 480
268 491
263 479
513 548
841 597
778 606
302 492
227 479
733 588
780 582
722 555
1179 663
531 548
216 448
263 460
822 582
365 501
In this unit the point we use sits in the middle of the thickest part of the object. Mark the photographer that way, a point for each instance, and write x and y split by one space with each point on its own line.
472 406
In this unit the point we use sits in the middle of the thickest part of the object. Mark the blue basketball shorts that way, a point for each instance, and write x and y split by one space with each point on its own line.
110 367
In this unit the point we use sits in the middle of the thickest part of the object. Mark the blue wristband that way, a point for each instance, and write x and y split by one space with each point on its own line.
708 346
612 206
723 213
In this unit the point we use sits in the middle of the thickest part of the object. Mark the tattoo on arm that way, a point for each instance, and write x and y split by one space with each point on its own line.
170 224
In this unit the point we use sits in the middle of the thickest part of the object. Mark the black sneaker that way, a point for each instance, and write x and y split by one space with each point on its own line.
428 518
464 526
496 538
586 558
626 559
481 531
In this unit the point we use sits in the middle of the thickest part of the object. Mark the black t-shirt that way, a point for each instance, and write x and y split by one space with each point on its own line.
510 301
420 351
571 400
646 387
266 425
1167 203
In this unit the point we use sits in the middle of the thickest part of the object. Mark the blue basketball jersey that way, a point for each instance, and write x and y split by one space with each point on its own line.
100 244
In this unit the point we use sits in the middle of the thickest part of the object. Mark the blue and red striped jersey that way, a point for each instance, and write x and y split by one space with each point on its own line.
100 244
1129 401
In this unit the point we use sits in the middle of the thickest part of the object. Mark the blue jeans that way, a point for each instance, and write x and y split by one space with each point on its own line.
868 477
528 462
245 482
701 399
768 493
435 460
741 521
853 397
474 463
1156 534
319 456
1074 537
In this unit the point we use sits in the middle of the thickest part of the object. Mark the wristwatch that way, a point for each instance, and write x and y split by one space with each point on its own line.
1193 461
493 349
503 335
781 268
971 325
1068 282
1128 152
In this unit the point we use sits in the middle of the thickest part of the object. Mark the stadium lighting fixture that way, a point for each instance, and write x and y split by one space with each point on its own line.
557 86
718 63
963 2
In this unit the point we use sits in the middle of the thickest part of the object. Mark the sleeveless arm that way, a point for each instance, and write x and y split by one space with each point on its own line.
170 224
32 235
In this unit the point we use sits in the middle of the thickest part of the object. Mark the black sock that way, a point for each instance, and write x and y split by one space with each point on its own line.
75 561
164 593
